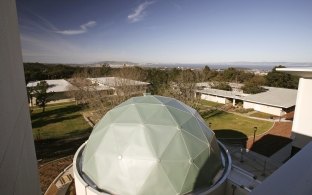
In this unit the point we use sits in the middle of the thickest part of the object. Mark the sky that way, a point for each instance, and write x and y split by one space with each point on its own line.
165 31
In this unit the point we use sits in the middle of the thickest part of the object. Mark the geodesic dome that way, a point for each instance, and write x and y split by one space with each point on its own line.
151 145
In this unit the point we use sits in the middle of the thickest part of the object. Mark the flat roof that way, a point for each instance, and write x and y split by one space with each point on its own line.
116 81
58 85
222 93
294 177
279 97
305 72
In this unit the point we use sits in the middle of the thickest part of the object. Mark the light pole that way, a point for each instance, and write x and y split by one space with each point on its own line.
254 135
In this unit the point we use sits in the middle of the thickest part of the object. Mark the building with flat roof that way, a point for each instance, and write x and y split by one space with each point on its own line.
275 101
119 85
59 87
269 101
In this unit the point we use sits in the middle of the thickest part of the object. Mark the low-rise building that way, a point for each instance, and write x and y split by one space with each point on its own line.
275 101
59 87
105 85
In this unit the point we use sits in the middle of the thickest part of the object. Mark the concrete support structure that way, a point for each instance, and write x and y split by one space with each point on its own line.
18 166
302 125
213 98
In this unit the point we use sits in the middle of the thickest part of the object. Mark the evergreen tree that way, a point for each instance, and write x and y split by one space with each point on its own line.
41 94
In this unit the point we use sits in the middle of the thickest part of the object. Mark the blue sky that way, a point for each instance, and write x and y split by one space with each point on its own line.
165 31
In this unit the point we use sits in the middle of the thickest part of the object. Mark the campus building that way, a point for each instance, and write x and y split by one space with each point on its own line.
275 101
59 87
119 86
105 85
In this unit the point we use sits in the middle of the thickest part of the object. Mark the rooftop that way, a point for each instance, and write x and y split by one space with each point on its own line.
116 81
270 97
279 97
223 93
59 85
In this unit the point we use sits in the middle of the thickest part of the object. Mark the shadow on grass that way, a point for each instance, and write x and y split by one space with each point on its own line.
57 112
211 113
61 147
269 144
231 137
43 122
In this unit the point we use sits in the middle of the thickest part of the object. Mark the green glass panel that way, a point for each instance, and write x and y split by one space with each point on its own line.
162 99
193 144
192 127
139 147
156 115
115 113
129 115
157 139
175 104
209 134
190 179
176 149
122 135
202 158
136 172
180 116
157 183
146 99
176 172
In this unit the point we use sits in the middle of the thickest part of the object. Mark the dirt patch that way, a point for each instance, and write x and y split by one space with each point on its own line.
50 170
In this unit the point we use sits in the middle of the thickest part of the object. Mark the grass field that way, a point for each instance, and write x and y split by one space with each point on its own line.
262 115
58 121
234 126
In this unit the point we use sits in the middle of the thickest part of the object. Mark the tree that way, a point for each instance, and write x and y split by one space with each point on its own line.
254 85
252 88
281 79
222 86
183 88
41 94
206 73
30 95
99 98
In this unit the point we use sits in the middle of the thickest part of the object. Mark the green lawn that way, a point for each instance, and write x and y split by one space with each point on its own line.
233 126
262 115
58 121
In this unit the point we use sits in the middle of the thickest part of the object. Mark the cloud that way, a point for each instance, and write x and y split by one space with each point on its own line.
139 12
50 48
83 29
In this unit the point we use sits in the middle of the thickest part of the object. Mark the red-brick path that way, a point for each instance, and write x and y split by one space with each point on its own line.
282 129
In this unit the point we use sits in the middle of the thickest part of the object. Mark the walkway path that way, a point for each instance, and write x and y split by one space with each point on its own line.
273 139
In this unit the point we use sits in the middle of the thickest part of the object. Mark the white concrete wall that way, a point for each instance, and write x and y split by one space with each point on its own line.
213 98
264 108
18 165
302 125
